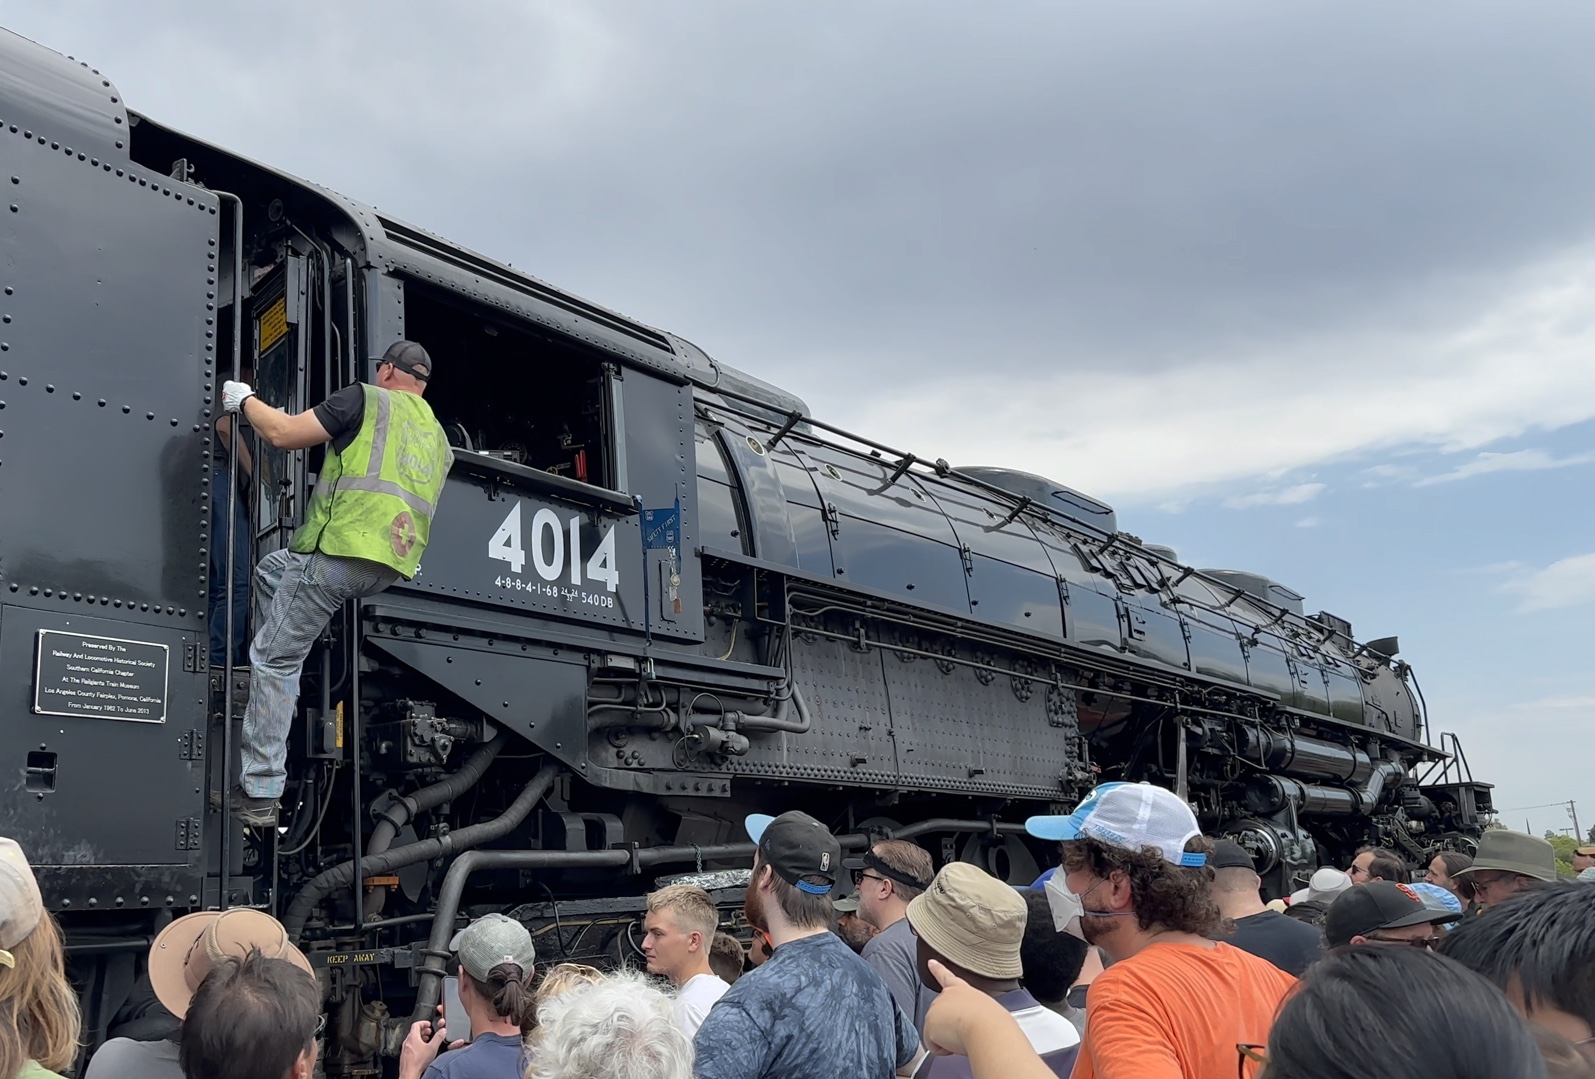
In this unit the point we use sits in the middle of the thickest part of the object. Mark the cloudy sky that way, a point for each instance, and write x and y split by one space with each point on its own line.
1303 289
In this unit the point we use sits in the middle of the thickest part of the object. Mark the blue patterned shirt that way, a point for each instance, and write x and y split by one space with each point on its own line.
814 1010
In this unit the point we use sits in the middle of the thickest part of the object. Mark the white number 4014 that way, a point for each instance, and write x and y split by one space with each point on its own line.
549 548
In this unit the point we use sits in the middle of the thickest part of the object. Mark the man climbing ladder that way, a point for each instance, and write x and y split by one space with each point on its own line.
365 528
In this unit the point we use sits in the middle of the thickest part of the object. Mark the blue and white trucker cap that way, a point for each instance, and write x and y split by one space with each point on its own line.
1130 816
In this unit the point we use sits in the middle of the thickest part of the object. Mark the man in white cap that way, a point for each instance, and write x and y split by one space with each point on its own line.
497 962
1311 904
180 959
1174 1002
974 924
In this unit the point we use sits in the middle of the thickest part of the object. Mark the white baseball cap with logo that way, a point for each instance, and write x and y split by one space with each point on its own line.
1130 816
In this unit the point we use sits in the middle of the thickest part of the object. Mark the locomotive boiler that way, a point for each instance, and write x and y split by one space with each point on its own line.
660 594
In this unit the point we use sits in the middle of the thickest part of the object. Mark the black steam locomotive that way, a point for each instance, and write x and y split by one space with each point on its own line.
659 595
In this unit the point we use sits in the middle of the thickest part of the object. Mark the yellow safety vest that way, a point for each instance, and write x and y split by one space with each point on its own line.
376 499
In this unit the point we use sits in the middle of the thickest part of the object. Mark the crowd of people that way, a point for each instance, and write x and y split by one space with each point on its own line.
1149 951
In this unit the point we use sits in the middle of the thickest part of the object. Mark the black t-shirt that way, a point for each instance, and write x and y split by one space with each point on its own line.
1290 945
342 413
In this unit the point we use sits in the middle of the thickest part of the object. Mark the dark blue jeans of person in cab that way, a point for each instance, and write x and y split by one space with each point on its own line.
238 536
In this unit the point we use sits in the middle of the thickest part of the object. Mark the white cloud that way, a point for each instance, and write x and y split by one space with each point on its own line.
1569 582
1284 496
1517 461
1309 522
1580 703
1521 364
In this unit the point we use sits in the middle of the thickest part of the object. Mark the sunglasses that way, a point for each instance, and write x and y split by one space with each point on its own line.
862 875
320 1028
1252 1054
1411 942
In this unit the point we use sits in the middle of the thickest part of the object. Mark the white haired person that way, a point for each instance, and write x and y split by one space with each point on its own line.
38 1010
621 1027
497 962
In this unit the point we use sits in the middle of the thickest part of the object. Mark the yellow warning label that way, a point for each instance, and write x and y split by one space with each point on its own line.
273 325
339 713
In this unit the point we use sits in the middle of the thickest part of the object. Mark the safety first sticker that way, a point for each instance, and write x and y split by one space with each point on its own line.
272 326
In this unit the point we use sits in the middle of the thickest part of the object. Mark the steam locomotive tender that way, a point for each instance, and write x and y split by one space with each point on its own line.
659 595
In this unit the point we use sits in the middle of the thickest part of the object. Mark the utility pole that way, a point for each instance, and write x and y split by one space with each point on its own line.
1572 811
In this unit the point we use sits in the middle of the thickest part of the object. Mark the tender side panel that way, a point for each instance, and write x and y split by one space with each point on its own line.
106 395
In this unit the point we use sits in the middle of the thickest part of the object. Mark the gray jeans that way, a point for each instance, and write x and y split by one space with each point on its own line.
303 592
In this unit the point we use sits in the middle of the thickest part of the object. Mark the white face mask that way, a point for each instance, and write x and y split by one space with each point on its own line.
1066 906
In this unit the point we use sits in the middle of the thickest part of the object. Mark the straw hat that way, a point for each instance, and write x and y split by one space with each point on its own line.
188 949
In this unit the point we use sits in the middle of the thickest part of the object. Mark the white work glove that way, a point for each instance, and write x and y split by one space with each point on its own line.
234 394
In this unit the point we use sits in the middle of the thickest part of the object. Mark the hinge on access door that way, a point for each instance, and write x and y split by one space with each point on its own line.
191 746
833 517
187 834
967 556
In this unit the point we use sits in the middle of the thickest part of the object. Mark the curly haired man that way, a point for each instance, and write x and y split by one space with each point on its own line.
1174 1004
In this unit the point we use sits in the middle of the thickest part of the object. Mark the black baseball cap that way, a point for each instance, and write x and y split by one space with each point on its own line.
800 849
870 860
1228 854
409 357
1379 904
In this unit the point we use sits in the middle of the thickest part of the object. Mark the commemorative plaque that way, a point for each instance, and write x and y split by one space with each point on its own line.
100 677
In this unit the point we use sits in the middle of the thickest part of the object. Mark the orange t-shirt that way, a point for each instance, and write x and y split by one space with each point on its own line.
1177 1011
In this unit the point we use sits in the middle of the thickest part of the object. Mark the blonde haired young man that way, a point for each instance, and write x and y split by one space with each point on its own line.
678 934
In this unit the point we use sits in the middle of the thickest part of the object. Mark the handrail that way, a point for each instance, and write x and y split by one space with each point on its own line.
903 462
231 523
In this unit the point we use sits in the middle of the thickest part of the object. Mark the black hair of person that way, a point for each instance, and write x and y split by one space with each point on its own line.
1386 865
1544 938
251 1018
1455 862
1051 960
1340 1023
1169 896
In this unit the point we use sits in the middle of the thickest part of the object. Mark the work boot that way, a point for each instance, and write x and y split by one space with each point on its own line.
250 812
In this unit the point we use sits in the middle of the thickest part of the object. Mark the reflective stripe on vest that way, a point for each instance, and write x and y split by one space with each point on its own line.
380 509
372 481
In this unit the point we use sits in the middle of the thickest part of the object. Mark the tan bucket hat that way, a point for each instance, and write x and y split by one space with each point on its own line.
188 949
972 919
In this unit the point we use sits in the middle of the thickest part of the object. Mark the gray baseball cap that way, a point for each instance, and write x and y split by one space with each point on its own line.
490 940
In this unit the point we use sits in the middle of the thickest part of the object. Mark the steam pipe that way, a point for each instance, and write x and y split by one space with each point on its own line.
779 721
431 971
1269 794
461 839
405 808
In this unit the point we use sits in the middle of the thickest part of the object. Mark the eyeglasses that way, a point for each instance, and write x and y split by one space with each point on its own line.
1412 942
861 875
1249 1053
320 1028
